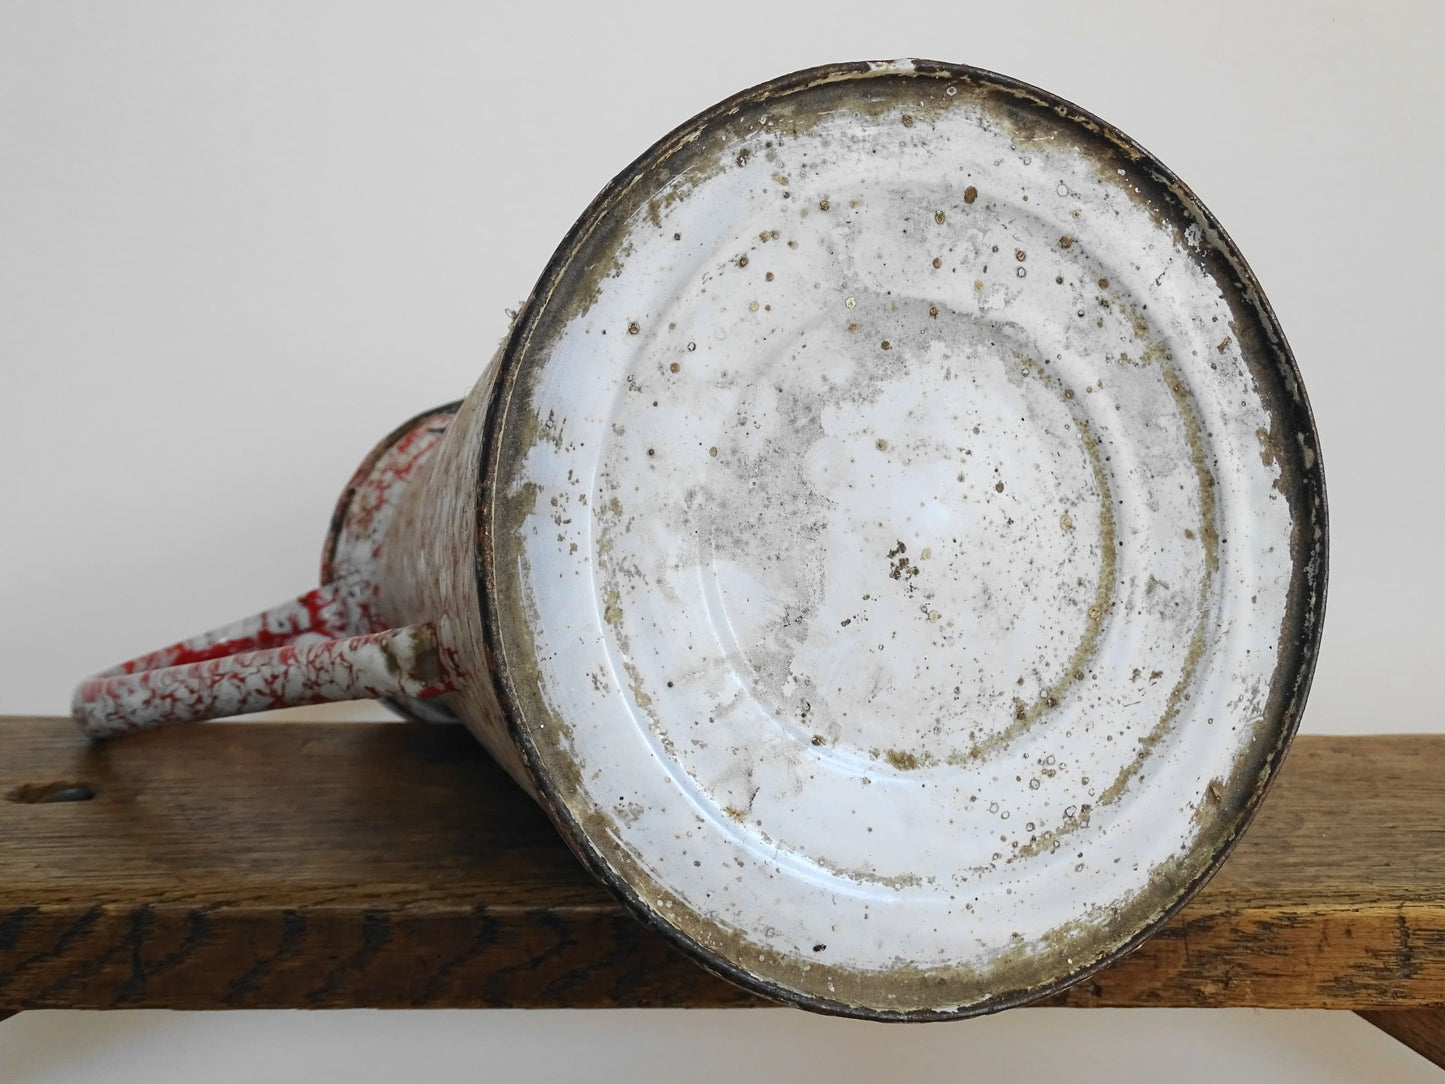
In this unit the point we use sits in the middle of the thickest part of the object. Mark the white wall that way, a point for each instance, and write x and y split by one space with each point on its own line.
238 244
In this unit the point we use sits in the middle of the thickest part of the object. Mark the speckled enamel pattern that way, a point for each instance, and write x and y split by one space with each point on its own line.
329 644
304 670
361 524
890 544
367 508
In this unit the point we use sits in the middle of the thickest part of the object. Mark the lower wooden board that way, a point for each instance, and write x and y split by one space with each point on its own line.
1422 1030
393 866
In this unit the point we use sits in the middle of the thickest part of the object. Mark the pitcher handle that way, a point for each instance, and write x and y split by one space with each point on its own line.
293 654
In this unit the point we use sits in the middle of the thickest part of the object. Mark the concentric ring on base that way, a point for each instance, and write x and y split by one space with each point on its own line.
907 546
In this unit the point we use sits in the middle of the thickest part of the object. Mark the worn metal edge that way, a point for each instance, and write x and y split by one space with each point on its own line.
1311 484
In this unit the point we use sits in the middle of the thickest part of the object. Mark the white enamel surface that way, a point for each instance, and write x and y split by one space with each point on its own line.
831 625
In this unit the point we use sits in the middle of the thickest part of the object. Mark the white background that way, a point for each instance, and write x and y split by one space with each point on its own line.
238 243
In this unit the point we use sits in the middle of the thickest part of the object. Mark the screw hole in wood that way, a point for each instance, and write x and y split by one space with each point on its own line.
46 793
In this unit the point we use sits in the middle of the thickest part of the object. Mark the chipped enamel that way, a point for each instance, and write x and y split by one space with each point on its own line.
903 605
306 669
329 644
890 544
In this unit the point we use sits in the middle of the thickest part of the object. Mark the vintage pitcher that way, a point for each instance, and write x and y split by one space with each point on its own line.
890 544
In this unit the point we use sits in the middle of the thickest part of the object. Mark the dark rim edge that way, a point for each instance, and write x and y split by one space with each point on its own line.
1310 482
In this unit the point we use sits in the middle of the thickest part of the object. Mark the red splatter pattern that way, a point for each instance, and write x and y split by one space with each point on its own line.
331 643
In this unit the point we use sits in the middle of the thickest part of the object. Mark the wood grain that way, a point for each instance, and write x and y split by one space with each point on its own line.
1422 1030
344 865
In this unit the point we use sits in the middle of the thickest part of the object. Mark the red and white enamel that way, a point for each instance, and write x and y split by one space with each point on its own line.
369 503
308 669
331 643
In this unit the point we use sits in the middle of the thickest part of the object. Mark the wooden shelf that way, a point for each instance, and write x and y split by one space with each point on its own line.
344 865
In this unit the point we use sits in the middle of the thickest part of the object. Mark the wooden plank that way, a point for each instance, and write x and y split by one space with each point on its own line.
1422 1030
344 865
